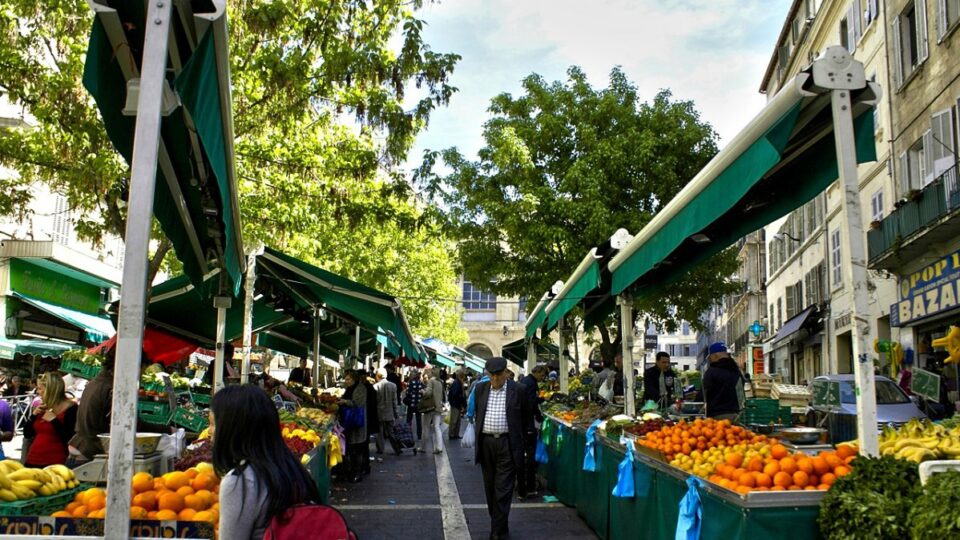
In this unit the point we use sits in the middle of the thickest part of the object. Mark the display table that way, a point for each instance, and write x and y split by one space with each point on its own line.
653 512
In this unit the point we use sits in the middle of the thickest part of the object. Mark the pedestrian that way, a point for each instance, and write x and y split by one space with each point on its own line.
386 408
14 387
502 416
458 404
261 477
527 484
373 418
722 384
659 381
7 424
472 400
601 377
355 396
394 377
300 374
432 406
412 397
52 424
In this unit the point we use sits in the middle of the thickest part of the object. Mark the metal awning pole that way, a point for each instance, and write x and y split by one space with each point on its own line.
564 367
356 346
837 71
143 177
383 357
316 348
626 332
248 316
531 355
221 303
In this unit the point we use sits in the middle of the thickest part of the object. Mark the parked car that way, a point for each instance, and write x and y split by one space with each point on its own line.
894 408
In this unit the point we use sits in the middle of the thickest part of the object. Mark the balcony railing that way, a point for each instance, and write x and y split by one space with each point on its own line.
895 238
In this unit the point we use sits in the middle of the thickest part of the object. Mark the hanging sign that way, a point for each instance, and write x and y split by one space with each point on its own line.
928 291
826 393
926 384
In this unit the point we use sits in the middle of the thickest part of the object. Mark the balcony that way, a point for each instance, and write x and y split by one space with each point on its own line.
930 217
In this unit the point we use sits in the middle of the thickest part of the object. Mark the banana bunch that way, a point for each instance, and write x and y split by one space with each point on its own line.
19 483
920 441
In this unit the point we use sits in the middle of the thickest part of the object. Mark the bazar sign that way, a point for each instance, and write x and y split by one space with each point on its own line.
931 290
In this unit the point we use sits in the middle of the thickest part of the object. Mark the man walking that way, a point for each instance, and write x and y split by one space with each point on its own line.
386 408
659 382
502 416
527 484
722 384
457 398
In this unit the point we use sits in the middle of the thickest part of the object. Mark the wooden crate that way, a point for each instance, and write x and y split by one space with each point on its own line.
791 395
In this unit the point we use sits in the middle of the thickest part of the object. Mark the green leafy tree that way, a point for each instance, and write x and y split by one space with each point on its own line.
564 166
319 116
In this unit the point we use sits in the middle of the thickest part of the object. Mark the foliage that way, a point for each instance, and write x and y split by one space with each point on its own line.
318 90
566 165
927 517
870 502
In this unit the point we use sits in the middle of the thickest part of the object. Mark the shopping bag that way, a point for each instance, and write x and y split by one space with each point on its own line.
353 417
542 456
469 437
589 451
545 431
624 487
559 438
691 513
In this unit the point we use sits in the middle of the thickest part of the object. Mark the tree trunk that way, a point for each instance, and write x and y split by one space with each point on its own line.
155 263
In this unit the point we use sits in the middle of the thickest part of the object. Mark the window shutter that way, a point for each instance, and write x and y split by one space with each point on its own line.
851 29
857 25
941 19
922 52
897 53
906 183
928 152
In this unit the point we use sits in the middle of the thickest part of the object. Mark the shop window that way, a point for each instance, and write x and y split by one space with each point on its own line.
476 299
909 40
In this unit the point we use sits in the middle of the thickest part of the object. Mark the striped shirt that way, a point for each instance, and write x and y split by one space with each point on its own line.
495 420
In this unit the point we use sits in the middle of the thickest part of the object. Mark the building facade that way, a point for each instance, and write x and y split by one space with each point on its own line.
744 313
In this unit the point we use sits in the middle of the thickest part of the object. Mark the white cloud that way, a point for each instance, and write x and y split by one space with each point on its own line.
711 51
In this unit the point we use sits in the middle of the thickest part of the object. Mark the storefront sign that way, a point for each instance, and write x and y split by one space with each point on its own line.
44 284
926 384
929 291
650 341
826 393
842 321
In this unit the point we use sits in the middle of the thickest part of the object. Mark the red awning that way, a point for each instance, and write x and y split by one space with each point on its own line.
158 345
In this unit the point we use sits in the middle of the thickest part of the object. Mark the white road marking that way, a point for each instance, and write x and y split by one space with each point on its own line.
359 507
451 509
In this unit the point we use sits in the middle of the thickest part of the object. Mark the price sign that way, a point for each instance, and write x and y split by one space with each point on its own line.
926 384
826 394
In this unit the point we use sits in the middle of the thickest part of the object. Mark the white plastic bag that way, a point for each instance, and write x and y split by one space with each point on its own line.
171 446
469 437
606 389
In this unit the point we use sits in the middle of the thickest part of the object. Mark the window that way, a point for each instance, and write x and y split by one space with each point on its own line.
686 350
948 13
61 221
876 206
779 312
850 29
813 282
916 166
685 328
771 322
478 299
871 12
835 258
791 302
876 110
941 142
909 40
522 310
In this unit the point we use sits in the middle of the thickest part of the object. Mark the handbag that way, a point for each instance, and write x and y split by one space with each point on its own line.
353 417
425 406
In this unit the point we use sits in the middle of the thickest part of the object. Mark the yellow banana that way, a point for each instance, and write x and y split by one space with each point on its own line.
904 443
45 490
7 495
22 492
13 465
60 470
32 485
4 481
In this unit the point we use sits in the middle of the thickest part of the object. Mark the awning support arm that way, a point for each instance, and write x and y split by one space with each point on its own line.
564 368
626 333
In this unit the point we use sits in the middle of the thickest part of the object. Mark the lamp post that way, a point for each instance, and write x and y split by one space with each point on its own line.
781 235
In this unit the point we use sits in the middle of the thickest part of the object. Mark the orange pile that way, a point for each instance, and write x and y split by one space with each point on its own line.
190 495
782 471
701 434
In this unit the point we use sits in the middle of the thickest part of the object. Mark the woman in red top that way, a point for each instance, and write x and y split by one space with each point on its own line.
52 424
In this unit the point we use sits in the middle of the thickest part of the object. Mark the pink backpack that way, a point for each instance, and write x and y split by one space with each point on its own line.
313 521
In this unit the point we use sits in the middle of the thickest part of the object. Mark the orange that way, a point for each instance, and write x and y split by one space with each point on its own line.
764 480
783 479
98 514
801 479
92 492
814 479
207 481
820 465
810 488
746 479
756 464
734 459
794 488
777 488
828 479
158 484
138 512
772 468
823 487
832 460
185 490
195 503
175 480
805 465
96 502
186 514
167 515
743 489
192 473
152 514
80 511
779 451
147 500
849 460
846 450
170 501
61 513
205 496
841 471
737 473
72 506
788 465
142 481
204 516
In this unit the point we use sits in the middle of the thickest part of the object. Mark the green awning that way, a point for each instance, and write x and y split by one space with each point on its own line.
585 278
516 352
37 347
97 329
444 361
783 159
195 200
474 365
537 316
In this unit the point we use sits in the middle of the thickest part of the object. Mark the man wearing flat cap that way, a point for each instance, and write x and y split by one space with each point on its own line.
503 416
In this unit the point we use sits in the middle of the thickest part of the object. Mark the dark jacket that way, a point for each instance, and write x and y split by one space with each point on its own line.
395 379
299 375
518 416
373 409
456 396
722 387
64 428
533 398
651 384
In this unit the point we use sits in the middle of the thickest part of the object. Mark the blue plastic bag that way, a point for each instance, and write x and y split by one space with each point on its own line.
691 513
559 438
353 417
589 451
545 431
541 455
624 487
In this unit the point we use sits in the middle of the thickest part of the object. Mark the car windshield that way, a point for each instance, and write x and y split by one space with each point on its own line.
887 393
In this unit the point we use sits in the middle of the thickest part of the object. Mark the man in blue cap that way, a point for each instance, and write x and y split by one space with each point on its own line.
722 384
503 416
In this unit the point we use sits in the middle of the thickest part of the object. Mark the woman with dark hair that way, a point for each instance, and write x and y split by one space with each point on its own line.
356 396
261 477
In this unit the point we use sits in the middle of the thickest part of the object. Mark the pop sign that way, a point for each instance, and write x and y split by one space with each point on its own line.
929 291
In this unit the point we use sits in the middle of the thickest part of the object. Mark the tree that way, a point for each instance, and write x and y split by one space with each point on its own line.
564 166
319 120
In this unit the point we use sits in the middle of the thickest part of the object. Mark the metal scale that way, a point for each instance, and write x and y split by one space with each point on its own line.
95 471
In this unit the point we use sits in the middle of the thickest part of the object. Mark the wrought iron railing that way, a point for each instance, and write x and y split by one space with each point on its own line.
20 408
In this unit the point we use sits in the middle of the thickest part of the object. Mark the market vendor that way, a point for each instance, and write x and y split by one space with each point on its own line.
300 374
722 384
659 381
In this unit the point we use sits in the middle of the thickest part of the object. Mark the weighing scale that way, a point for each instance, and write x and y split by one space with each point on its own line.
806 448
95 471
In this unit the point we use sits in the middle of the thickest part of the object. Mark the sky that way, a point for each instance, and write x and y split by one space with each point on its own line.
713 52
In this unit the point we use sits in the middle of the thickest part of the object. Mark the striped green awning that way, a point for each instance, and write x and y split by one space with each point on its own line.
585 279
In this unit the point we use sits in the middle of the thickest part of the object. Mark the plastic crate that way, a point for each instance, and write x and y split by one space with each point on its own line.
157 419
763 405
41 506
153 407
201 399
191 420
154 387
90 372
73 367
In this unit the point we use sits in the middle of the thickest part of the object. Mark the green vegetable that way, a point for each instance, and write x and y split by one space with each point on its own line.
871 502
933 514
